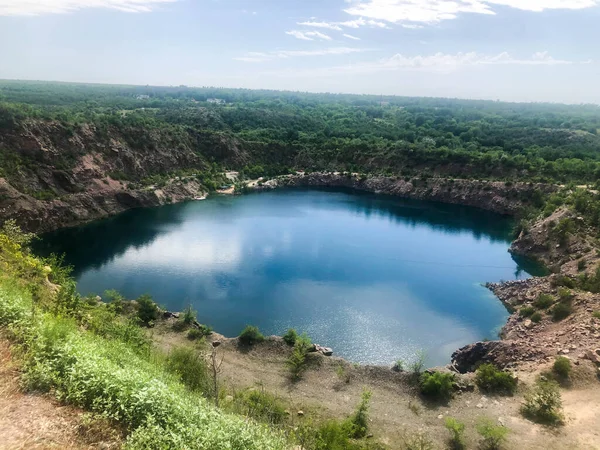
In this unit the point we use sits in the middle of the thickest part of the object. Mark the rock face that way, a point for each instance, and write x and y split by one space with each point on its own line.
69 176
466 359
492 196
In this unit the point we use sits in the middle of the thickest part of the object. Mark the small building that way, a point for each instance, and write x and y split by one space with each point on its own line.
142 97
216 101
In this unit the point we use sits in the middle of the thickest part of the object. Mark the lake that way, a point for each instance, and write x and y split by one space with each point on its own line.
376 278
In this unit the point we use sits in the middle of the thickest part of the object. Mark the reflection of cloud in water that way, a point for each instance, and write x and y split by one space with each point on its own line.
182 252
395 324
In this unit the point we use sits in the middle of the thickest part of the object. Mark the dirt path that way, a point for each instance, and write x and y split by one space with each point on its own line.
38 422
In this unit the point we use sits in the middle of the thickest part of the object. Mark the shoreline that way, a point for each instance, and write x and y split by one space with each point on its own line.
499 197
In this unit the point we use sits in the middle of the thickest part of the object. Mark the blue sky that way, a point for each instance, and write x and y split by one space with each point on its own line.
521 50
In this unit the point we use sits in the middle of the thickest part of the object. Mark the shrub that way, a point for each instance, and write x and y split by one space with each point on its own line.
297 360
342 374
147 310
189 315
596 314
581 264
416 367
492 436
190 367
457 430
544 404
565 295
543 301
562 367
563 280
536 317
561 311
290 337
526 311
359 421
437 385
251 335
115 299
491 379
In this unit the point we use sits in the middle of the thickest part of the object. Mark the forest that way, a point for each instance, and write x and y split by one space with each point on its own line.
283 131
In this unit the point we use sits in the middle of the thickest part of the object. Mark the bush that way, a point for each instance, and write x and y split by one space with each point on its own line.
561 311
544 404
596 314
190 367
565 295
563 280
189 315
536 317
147 310
199 332
526 311
290 337
416 367
437 385
492 436
418 441
297 360
359 421
251 335
457 430
562 367
491 379
543 301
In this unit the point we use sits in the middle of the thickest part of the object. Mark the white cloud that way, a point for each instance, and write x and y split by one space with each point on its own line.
38 7
282 54
338 26
438 62
433 11
349 36
308 35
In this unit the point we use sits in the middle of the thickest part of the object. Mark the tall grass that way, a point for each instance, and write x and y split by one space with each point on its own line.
108 376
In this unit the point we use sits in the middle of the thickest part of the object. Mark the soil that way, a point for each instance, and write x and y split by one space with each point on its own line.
397 410
29 421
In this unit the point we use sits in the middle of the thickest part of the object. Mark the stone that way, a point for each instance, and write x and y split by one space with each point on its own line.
441 416
326 351
216 343
300 413
565 351
228 398
528 323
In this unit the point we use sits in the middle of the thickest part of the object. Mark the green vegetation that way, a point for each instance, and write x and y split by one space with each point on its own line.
544 404
492 436
147 310
457 431
189 365
536 317
290 337
251 335
359 421
561 311
437 385
491 379
562 367
543 301
526 311
86 355
278 130
261 406
297 360
596 314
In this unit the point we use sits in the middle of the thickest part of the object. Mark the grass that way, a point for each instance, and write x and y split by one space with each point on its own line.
86 356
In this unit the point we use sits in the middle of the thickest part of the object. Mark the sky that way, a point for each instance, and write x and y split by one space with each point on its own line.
515 50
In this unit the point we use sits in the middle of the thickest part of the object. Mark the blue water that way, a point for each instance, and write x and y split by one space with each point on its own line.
375 278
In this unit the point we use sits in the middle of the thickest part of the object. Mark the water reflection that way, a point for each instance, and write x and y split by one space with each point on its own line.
374 277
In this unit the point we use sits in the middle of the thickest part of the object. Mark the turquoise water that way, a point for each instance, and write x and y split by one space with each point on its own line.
375 278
